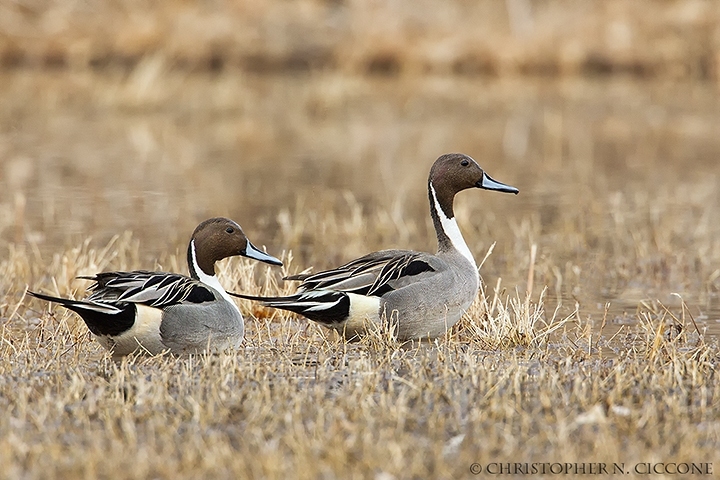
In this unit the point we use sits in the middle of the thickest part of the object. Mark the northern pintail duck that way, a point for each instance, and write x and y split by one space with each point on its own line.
422 294
158 311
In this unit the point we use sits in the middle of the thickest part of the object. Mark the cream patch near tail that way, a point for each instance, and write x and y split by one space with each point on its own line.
144 334
363 310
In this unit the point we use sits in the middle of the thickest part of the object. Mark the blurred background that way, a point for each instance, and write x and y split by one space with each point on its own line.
314 124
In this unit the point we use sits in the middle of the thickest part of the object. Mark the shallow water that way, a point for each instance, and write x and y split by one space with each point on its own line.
618 179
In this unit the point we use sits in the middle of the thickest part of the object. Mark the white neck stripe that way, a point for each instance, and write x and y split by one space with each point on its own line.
209 280
451 229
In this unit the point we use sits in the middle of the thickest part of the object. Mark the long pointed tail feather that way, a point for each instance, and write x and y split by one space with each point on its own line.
323 306
77 305
101 318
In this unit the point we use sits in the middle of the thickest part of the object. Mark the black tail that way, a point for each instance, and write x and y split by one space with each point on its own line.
101 319
68 303
323 306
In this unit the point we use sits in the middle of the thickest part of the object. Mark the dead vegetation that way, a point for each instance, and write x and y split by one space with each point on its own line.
595 338
512 382
644 39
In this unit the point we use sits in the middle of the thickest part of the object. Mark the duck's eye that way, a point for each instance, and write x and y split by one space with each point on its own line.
465 163
230 230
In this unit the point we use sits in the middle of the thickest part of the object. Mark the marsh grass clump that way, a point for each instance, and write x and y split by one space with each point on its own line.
498 323
501 321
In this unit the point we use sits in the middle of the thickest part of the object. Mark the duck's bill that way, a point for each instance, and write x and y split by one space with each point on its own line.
252 252
488 183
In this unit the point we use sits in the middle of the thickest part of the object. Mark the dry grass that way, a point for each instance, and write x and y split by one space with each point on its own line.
512 383
577 351
482 38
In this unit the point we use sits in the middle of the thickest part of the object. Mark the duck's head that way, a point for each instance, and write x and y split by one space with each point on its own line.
219 238
454 172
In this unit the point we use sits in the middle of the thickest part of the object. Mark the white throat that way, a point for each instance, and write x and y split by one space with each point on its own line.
209 280
451 229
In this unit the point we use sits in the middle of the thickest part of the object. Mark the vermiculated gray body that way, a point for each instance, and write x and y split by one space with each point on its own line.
439 298
188 328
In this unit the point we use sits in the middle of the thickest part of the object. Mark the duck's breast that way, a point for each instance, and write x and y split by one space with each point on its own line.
435 302
197 327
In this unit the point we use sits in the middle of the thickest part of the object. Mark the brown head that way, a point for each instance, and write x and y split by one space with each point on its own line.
219 238
454 172
450 174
